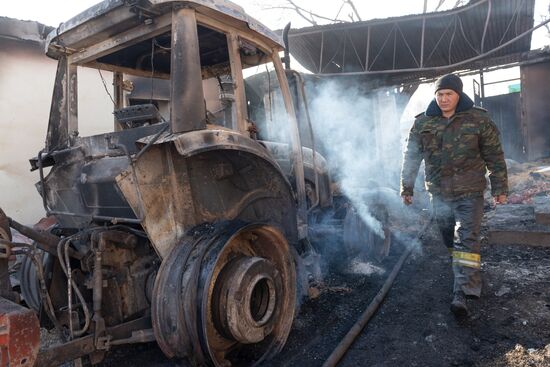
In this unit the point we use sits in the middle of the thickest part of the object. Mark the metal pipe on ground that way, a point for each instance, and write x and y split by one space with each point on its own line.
341 349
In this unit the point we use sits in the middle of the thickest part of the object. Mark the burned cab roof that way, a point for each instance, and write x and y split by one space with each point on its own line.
123 33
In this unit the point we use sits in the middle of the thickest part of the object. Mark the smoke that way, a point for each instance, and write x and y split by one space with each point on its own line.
358 132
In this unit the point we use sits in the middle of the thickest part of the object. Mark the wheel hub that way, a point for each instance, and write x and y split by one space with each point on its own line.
226 295
248 298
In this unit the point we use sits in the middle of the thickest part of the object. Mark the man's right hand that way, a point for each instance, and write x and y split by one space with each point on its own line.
407 199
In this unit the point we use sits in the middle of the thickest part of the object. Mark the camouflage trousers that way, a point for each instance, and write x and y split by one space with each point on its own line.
459 222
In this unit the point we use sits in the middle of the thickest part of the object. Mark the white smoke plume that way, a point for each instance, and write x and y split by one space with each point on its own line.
358 132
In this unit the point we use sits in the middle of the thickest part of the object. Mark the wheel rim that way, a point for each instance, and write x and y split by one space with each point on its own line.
236 288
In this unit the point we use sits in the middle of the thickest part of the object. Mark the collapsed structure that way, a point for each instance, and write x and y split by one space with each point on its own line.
474 39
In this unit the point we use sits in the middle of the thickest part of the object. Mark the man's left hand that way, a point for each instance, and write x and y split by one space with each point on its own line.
501 199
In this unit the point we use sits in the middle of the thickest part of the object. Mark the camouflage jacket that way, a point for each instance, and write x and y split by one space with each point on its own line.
457 152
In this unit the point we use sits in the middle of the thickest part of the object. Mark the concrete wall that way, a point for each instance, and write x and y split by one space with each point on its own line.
26 85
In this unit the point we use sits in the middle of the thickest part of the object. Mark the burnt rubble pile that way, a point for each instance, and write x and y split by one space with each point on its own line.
528 180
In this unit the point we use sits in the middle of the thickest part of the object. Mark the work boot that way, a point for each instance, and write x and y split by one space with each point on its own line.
458 305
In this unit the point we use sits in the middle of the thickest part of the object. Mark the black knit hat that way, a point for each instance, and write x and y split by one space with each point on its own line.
449 81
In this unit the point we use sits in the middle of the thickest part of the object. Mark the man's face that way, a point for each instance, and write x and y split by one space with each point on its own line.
447 100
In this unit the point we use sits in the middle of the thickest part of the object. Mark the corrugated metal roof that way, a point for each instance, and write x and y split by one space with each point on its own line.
416 42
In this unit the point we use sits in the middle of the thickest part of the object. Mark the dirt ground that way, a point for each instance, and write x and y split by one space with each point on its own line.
508 326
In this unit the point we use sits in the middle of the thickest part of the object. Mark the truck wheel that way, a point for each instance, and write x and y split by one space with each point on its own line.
226 295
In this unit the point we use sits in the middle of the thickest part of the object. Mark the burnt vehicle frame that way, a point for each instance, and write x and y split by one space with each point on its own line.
178 230
181 227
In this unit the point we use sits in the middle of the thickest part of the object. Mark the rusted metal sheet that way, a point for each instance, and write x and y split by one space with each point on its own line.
535 109
505 110
19 335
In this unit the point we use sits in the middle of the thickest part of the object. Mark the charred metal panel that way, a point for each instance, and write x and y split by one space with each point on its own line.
58 125
82 178
97 188
92 26
62 125
505 110
535 109
207 176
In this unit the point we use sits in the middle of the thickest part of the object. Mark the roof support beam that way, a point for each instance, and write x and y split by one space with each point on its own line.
482 47
422 38
367 56
187 110
93 26
321 53
453 66
238 82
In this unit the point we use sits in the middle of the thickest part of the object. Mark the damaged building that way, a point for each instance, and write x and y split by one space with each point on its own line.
475 39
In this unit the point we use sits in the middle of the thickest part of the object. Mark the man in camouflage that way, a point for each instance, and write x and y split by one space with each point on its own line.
458 143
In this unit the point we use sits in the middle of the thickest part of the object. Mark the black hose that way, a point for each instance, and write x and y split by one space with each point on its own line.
355 331
64 261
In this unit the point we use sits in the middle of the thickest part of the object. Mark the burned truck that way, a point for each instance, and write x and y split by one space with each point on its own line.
185 225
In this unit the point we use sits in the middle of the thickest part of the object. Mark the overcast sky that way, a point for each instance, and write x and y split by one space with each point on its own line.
53 12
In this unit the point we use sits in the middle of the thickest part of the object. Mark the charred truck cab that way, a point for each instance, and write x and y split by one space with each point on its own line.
180 226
